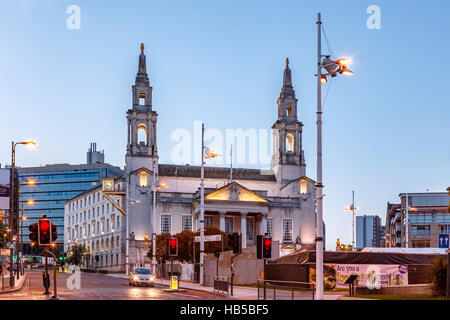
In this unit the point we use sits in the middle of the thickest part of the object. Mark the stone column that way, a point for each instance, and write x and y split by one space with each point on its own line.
263 225
244 229
222 220
196 219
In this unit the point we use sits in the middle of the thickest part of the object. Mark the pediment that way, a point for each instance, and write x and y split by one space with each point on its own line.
235 192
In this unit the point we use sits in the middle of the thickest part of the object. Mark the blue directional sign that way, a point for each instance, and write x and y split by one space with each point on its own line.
444 239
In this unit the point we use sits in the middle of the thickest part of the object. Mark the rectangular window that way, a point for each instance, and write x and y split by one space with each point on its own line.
287 230
208 221
444 228
420 230
303 187
166 223
186 223
250 228
420 243
228 225
270 227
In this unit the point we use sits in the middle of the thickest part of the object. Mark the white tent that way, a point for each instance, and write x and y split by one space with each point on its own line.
407 250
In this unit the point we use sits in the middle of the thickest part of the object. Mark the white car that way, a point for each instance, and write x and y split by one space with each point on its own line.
142 276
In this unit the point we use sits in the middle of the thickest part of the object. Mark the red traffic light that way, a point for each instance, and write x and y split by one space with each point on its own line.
173 247
267 248
44 227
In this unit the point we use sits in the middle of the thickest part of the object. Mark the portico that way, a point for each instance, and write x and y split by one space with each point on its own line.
234 208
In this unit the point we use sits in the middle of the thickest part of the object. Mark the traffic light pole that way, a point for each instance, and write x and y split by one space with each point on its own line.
232 271
46 274
55 295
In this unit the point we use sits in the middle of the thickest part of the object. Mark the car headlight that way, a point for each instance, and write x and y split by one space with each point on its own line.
152 278
135 278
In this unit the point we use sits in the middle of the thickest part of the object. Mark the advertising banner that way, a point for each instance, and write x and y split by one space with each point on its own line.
5 188
369 275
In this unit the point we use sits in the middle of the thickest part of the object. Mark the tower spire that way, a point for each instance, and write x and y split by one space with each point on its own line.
287 89
141 76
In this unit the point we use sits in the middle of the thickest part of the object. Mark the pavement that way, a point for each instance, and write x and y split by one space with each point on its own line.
241 292
18 284
115 286
98 287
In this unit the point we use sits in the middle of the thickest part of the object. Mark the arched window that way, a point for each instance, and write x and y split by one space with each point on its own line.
142 99
142 134
289 143
289 110
143 179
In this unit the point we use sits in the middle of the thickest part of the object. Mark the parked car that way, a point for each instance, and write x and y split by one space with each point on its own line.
142 276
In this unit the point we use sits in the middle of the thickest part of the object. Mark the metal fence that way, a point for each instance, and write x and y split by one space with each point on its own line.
221 284
285 290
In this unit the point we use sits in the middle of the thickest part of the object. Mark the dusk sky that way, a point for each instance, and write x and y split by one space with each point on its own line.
386 129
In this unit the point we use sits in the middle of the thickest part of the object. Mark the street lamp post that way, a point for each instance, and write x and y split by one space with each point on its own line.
352 208
332 68
13 204
319 186
202 207
154 220
209 155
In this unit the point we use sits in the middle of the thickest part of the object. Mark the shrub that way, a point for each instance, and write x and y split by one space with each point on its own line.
438 276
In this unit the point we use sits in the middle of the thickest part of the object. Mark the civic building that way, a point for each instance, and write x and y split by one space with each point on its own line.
278 201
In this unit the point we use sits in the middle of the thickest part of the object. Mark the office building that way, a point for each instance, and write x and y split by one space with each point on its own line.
53 185
424 214
369 232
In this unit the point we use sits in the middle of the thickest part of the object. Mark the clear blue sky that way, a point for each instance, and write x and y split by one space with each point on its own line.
386 130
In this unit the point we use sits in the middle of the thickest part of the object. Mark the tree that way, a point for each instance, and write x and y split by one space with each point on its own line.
213 246
437 273
186 245
76 254
161 247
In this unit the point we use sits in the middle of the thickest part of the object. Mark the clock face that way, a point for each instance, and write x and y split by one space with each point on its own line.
108 184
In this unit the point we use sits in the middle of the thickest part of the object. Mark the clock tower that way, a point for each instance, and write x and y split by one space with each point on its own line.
288 161
141 160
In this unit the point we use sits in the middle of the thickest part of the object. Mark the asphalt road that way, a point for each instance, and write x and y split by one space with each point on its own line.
99 287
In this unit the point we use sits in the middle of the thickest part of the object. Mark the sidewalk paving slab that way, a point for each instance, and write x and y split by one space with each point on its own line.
239 292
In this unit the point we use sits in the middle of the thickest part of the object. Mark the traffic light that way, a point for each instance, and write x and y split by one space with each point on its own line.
34 232
267 247
237 243
45 234
173 247
263 247
54 233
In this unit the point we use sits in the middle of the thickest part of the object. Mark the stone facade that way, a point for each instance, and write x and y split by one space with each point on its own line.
278 202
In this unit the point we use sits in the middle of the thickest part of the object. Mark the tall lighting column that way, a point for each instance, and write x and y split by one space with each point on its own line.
333 68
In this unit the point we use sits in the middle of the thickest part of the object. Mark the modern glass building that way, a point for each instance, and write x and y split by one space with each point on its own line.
369 232
52 186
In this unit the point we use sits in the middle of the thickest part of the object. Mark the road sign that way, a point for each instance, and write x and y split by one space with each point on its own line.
174 283
444 239
214 237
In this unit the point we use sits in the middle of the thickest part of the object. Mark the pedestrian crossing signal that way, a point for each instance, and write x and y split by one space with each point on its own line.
263 247
173 247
